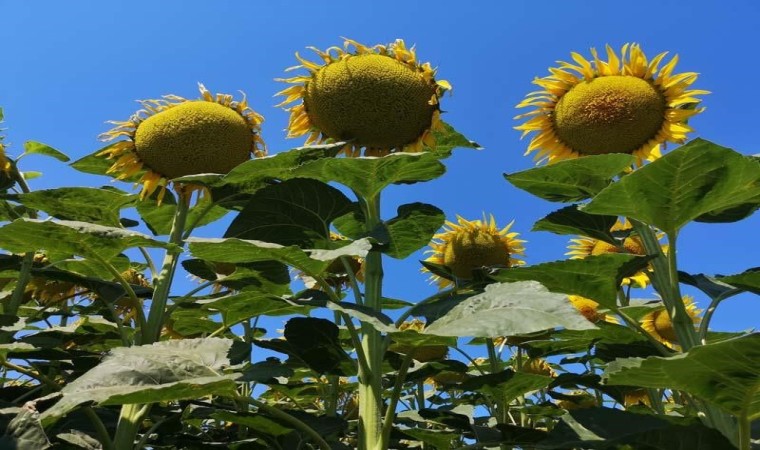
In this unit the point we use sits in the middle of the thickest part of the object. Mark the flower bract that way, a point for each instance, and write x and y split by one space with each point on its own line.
380 99
469 245
590 309
626 104
174 137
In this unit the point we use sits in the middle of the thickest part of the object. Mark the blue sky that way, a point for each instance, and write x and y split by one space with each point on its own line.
67 67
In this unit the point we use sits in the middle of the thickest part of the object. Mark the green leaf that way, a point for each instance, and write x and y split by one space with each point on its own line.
506 385
316 342
99 206
696 179
571 220
748 280
440 440
412 228
607 428
64 238
726 374
294 212
715 287
159 218
506 309
448 139
368 176
25 432
244 305
572 180
164 371
257 422
595 277
38 148
99 165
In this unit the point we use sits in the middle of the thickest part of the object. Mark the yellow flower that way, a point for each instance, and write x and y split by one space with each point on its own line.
538 366
5 164
590 309
585 246
379 98
470 245
658 324
627 104
637 397
174 137
577 400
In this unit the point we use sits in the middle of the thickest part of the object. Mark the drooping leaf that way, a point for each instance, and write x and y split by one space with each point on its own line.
25 432
506 385
506 309
412 228
608 428
726 374
294 212
714 287
448 139
38 148
99 206
570 220
63 238
698 178
748 280
247 304
595 277
164 371
572 180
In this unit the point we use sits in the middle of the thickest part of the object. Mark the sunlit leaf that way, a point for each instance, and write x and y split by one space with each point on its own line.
571 180
698 178
99 206
726 374
38 148
506 309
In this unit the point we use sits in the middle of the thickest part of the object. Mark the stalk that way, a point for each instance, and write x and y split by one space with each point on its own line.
370 419
745 435
131 415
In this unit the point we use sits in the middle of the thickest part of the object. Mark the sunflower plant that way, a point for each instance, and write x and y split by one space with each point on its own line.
102 349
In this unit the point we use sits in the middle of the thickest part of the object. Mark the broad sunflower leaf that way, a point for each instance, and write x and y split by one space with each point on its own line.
595 277
571 220
608 428
748 280
696 179
715 287
38 148
247 304
294 212
63 238
164 371
234 250
99 165
508 384
99 206
506 309
25 432
367 176
726 374
441 440
448 139
159 218
412 228
572 180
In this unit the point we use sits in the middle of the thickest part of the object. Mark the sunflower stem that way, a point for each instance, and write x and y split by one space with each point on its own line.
745 436
370 419
152 330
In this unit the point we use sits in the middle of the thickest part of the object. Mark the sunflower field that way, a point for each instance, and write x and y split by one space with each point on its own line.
287 338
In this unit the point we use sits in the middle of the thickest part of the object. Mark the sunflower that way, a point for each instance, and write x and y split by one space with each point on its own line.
538 366
379 98
627 104
658 324
470 245
174 137
5 164
590 309
636 397
585 246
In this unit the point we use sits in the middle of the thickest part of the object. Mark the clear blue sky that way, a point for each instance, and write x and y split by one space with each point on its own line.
67 67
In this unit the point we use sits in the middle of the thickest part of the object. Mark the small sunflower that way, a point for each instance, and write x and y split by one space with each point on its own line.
538 366
637 397
379 98
658 324
627 104
590 309
470 245
174 137
585 246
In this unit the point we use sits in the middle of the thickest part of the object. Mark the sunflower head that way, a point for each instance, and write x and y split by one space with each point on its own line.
584 246
626 104
538 366
658 324
379 98
175 137
468 245
577 400
590 309
636 397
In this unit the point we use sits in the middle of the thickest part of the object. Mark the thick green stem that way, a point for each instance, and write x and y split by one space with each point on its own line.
24 276
163 282
682 323
128 426
390 413
745 435
370 419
